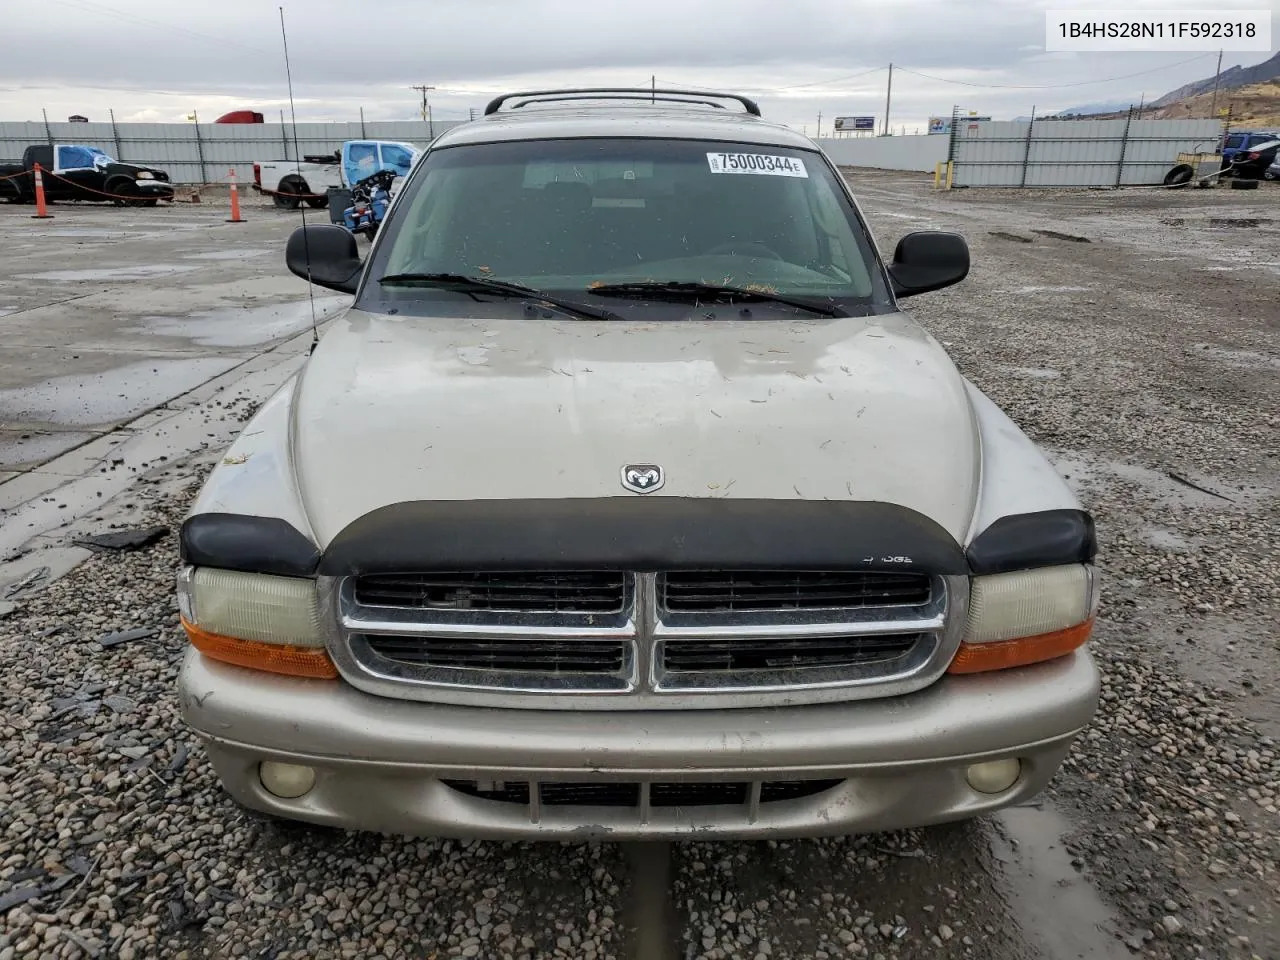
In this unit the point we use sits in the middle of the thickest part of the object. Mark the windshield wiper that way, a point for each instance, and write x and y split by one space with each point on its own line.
687 290
468 284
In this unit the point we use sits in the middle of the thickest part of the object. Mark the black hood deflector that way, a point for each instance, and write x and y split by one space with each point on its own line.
635 533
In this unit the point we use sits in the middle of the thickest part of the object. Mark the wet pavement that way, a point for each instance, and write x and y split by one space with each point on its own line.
109 313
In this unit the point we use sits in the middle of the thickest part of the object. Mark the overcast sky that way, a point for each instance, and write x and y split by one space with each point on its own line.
155 61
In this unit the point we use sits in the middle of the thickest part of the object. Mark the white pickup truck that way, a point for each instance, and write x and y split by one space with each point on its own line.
289 182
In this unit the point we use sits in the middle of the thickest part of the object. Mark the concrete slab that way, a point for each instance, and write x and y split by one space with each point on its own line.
86 456
21 449
108 314
38 504
25 487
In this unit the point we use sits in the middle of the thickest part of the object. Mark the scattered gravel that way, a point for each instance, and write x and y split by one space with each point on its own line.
116 842
1163 371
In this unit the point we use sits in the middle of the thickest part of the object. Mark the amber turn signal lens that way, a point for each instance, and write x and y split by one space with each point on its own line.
270 657
1003 654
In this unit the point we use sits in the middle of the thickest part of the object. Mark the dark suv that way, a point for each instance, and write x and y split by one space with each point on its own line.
1240 142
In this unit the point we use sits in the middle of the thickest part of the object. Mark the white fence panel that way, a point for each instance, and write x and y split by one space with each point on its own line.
1075 153
922 153
1003 153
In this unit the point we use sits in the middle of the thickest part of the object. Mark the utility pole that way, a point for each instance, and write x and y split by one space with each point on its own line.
888 98
653 88
819 136
426 110
1213 106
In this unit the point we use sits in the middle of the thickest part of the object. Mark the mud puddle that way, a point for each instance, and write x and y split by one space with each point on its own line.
1241 659
131 272
1249 359
101 398
1165 539
243 326
1025 291
94 233
1036 373
1059 912
244 253
648 912
1182 488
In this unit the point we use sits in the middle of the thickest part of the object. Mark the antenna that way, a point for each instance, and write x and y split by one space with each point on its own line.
302 205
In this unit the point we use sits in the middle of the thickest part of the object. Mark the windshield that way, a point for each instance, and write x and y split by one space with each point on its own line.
76 157
571 215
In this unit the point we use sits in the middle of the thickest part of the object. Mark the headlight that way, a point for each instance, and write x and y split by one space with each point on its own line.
254 620
1026 617
144 175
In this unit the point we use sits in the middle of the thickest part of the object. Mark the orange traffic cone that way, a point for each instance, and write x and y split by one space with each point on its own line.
235 198
42 211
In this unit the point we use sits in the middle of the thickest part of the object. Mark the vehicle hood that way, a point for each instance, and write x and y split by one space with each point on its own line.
130 169
392 409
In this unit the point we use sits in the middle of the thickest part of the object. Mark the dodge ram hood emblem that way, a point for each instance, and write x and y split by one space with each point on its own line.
642 477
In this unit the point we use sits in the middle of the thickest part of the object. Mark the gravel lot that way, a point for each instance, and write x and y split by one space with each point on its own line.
1147 361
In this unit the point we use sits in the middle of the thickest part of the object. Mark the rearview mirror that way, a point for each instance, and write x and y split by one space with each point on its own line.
325 254
928 260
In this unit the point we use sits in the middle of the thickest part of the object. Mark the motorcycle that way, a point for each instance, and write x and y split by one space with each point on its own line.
369 201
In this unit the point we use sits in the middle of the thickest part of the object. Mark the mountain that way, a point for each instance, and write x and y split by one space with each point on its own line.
1084 110
1236 76
1252 107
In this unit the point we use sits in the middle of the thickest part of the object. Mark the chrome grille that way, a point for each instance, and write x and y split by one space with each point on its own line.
731 592
779 653
669 640
548 656
507 592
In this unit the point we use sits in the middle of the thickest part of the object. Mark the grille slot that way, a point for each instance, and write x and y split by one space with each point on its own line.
747 591
597 592
627 794
533 656
783 653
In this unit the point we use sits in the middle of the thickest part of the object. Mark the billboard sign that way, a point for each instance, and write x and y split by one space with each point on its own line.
943 124
856 123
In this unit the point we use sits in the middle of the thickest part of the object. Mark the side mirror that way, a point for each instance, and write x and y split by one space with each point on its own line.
326 254
928 260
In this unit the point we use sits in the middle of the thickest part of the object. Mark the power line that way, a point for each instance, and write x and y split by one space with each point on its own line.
819 83
102 10
1054 86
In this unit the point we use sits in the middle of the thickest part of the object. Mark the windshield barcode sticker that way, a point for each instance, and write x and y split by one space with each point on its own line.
757 163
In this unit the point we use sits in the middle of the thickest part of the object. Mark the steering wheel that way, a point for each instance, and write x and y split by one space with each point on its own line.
735 246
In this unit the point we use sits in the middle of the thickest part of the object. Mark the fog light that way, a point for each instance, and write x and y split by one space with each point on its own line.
994 776
287 780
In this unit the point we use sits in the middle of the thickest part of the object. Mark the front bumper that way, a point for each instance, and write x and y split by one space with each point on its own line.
154 189
381 763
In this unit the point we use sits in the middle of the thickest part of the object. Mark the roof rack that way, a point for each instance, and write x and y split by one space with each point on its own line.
614 96
622 93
